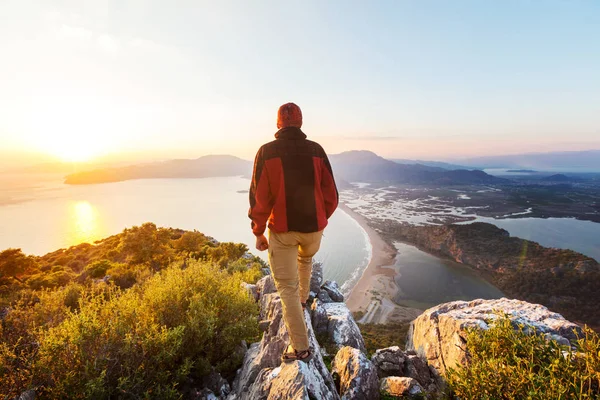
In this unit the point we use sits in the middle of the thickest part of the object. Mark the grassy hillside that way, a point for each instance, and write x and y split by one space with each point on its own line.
144 313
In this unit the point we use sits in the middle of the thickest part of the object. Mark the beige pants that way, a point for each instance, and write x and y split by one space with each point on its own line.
290 256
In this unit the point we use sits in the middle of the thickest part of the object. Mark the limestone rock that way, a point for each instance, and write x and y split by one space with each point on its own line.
357 375
265 285
324 297
342 328
295 381
416 367
389 361
400 386
316 279
439 334
333 290
27 395
319 317
259 376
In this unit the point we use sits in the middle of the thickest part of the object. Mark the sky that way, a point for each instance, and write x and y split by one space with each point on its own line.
132 79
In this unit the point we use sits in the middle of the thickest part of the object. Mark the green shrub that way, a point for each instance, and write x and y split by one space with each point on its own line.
511 364
145 341
97 269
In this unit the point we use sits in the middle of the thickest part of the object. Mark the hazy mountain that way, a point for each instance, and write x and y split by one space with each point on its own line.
366 166
438 164
567 160
203 167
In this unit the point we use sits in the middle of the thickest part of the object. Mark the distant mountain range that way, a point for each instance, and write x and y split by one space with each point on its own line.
566 160
366 166
438 164
203 167
351 166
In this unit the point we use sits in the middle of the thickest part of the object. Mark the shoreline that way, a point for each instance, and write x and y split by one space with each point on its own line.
376 288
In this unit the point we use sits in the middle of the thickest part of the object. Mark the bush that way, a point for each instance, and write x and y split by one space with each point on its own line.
147 340
97 269
511 364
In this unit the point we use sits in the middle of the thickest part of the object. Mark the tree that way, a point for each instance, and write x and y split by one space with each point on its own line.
146 244
14 262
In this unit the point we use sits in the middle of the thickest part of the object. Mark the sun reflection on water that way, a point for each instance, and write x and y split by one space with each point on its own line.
85 224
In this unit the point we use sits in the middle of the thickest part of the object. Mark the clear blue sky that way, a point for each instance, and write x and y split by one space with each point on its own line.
420 79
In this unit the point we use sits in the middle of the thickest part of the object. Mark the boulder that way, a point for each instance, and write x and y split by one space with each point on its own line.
357 375
316 279
342 328
389 361
400 387
439 334
319 317
27 395
324 297
416 367
265 285
333 290
295 381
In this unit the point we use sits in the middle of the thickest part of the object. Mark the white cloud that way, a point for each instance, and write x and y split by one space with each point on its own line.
74 33
108 43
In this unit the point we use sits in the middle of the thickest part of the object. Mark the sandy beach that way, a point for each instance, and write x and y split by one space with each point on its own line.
374 292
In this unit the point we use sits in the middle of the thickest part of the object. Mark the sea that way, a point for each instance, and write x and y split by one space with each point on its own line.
61 215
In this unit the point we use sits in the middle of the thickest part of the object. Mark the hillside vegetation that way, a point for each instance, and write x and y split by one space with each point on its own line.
144 313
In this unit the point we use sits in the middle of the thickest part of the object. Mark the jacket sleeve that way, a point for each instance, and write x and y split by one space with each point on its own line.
261 201
329 189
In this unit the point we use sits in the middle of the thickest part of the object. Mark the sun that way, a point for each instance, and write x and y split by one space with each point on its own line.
72 131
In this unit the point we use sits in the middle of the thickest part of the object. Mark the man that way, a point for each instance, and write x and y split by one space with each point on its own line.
294 190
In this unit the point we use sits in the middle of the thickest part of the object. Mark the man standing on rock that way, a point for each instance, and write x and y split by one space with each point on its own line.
292 189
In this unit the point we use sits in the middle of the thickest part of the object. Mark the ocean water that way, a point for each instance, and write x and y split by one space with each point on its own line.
562 233
65 215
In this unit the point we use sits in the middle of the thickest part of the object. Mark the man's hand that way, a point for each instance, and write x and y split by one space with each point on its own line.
262 243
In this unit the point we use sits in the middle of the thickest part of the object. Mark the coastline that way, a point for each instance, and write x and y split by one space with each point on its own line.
373 293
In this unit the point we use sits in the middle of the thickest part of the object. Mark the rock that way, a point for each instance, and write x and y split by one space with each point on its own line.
205 394
296 381
27 395
342 328
316 279
263 325
251 289
357 375
400 386
333 290
415 367
324 297
216 384
265 285
259 376
389 361
439 334
319 317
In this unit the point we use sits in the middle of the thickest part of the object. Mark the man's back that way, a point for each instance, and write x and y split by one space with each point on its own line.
293 183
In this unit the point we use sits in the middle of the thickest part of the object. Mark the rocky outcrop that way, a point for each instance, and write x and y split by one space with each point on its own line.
333 290
389 361
264 376
263 373
356 375
341 327
439 334
266 285
316 279
401 387
392 361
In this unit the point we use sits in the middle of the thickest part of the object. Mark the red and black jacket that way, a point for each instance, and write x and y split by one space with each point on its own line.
292 185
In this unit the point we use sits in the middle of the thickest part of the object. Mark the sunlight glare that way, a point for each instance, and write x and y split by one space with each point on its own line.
85 226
